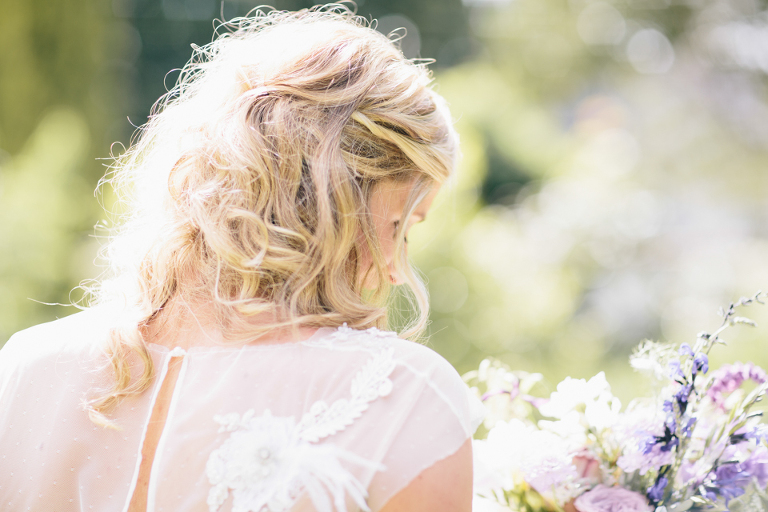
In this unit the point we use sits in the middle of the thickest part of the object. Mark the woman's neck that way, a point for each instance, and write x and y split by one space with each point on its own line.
186 324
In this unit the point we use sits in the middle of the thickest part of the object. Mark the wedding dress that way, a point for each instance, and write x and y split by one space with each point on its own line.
341 421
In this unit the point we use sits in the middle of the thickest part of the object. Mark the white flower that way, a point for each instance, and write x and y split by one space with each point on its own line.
570 428
515 450
603 413
593 398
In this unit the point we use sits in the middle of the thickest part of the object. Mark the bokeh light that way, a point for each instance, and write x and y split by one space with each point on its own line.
612 186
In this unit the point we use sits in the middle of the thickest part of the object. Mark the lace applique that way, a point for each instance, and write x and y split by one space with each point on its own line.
346 338
371 382
268 461
266 464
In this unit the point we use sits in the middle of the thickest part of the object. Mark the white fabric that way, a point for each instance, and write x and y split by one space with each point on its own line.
343 420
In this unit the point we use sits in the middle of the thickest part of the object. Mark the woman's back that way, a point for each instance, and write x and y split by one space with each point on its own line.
336 415
274 185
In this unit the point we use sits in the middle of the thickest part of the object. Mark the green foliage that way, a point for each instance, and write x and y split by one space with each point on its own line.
73 70
611 189
53 126
46 223
51 57
628 194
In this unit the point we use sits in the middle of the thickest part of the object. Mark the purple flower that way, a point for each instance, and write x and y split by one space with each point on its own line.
512 393
675 373
730 482
756 465
685 350
665 442
683 393
700 363
730 377
759 432
611 499
644 455
668 445
668 406
656 491
692 472
730 479
646 444
682 397
688 427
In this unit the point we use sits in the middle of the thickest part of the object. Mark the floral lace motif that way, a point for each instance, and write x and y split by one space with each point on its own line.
371 382
346 338
268 461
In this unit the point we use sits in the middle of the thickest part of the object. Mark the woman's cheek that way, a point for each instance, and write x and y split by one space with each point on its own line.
364 259
388 251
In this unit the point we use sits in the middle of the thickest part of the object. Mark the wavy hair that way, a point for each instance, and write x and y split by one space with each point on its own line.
248 188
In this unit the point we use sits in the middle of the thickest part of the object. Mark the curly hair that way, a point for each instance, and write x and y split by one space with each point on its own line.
248 188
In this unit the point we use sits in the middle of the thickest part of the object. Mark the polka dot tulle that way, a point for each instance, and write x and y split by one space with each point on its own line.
350 415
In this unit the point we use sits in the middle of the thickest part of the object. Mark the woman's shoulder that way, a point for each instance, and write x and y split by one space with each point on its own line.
428 412
76 334
421 370
416 357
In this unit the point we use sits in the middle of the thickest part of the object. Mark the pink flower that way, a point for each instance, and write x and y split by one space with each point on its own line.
730 377
587 466
611 499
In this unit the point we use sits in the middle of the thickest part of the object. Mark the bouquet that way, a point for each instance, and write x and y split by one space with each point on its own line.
698 445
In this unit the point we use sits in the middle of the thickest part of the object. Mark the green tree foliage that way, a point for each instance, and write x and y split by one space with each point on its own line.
612 185
77 76
629 137
45 221
166 29
51 131
50 58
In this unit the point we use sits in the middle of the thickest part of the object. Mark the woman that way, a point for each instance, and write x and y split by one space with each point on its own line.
234 360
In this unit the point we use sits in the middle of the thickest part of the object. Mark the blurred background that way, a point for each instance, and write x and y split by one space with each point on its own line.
613 184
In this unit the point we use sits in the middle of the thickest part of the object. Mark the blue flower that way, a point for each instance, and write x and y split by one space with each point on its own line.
683 394
700 363
730 482
756 466
666 442
656 491
647 443
675 373
688 427
668 445
758 432
682 397
668 406
685 350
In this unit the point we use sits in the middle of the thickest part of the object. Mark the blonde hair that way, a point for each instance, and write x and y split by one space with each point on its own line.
249 185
